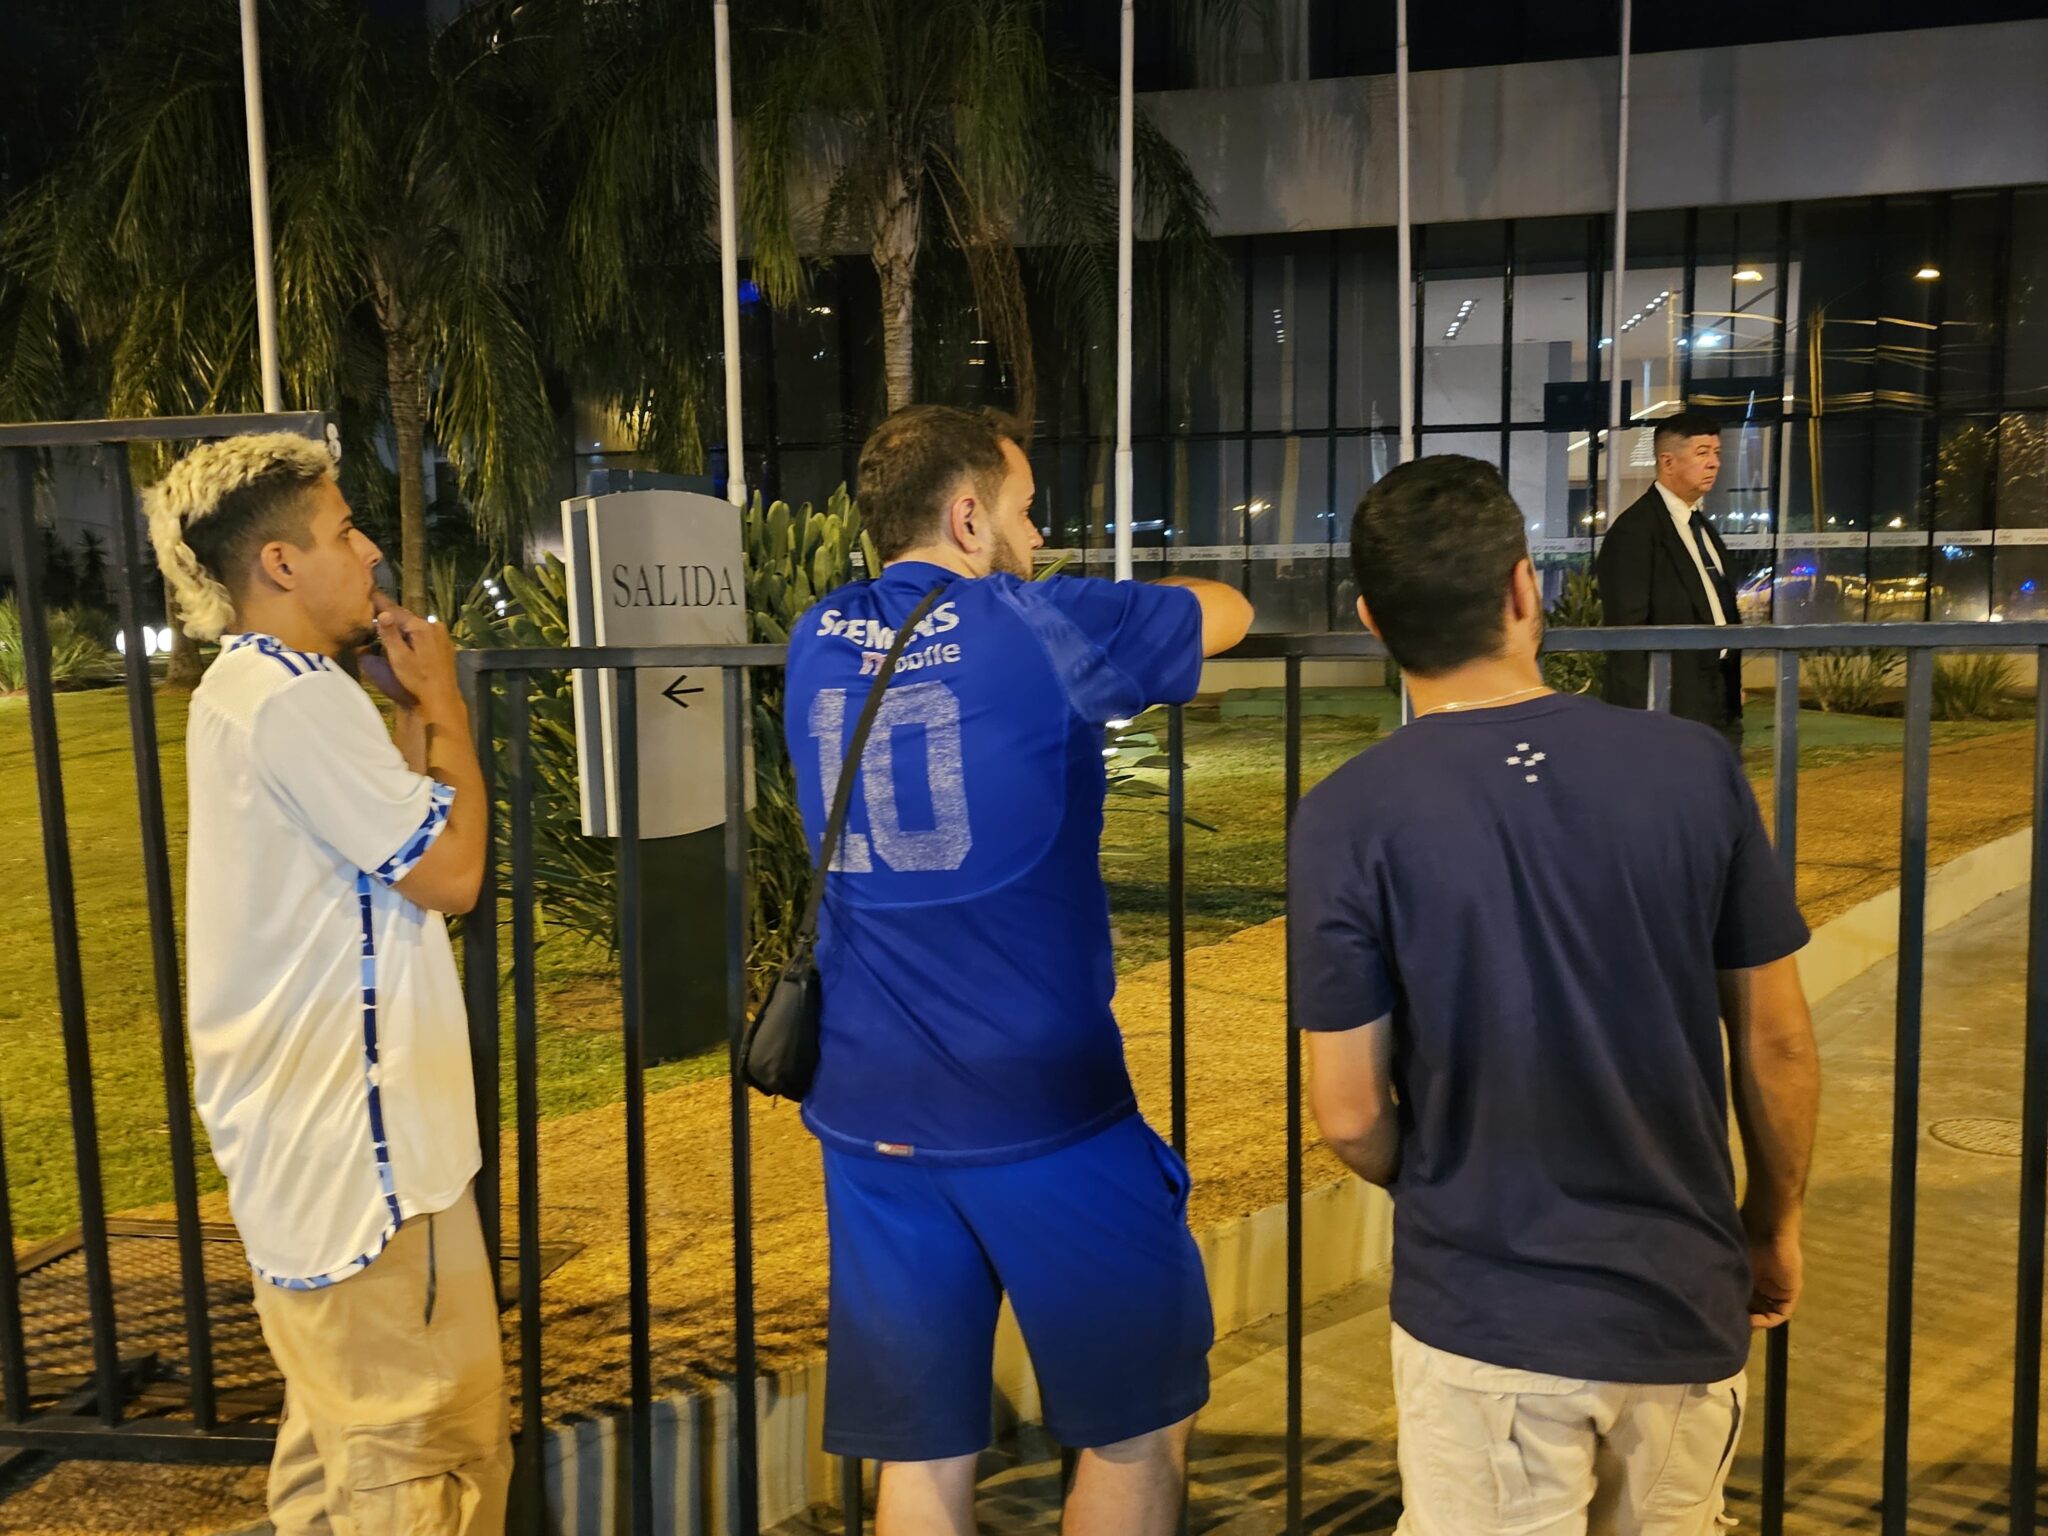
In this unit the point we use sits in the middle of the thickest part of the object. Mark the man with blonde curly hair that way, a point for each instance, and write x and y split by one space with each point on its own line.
329 1044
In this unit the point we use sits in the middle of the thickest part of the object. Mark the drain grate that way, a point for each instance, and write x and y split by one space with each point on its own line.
1993 1138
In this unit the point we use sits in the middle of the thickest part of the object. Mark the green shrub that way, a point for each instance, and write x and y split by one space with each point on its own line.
78 656
1972 687
1577 607
1852 682
575 884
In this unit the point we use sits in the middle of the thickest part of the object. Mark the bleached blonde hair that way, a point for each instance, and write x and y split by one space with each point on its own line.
196 488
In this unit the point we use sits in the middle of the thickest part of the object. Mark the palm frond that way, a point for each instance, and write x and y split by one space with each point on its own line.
490 410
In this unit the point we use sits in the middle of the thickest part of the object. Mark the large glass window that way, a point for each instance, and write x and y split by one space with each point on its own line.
2026 305
1972 273
1553 330
1368 346
1462 326
1879 367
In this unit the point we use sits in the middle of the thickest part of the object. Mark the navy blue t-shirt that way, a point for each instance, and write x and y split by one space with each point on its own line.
964 944
1540 896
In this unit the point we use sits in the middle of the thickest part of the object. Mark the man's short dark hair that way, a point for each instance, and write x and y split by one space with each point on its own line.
276 505
911 462
1434 546
1674 431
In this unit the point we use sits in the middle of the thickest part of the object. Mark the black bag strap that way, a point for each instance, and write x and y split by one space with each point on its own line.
842 797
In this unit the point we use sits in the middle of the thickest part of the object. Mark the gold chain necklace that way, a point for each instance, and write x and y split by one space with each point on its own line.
1500 698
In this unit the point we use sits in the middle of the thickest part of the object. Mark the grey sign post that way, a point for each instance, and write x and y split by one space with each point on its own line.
663 567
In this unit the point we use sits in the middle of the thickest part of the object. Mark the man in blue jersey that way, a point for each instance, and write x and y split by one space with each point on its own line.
980 1134
1517 928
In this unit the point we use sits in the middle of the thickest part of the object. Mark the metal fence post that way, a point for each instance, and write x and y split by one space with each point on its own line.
530 1474
747 1496
626 771
1294 1211
1898 1358
163 936
2026 1378
85 1136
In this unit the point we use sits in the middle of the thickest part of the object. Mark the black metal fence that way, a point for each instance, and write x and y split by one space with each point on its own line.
120 1408
90 1417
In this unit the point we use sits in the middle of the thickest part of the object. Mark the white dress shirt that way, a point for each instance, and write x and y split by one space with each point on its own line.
1682 516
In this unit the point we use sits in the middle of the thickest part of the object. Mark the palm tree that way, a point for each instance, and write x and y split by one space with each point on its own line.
632 282
954 119
408 209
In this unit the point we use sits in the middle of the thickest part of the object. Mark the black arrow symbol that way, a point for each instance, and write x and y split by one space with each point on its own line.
676 688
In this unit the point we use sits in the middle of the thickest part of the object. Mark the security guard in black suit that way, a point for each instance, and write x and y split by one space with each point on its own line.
1663 563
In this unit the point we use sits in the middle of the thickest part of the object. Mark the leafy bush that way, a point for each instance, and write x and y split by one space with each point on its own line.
1852 682
1577 607
78 656
575 883
1972 687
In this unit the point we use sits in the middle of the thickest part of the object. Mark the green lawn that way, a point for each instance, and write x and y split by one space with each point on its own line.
1237 874
1236 877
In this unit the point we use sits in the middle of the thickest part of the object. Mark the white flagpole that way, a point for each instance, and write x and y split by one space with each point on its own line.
729 258
259 211
1404 286
1126 182
1614 310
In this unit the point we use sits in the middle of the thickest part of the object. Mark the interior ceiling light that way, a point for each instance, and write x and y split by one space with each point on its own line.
1929 274
1748 275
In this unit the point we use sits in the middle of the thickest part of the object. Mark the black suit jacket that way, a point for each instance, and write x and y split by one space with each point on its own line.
1647 576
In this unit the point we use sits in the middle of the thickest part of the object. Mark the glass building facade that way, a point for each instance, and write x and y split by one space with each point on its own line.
1879 366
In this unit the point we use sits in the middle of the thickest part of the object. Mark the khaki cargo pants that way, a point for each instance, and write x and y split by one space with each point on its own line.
396 1421
1487 1451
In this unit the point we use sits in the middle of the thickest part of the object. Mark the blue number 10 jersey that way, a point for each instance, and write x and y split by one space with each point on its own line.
964 942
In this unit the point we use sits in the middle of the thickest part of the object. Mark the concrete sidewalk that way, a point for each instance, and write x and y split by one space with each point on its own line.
1965 1279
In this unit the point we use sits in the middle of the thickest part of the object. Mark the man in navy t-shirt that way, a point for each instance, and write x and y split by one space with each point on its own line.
1517 927
980 1135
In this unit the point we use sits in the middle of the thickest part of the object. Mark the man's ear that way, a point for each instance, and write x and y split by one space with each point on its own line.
1525 592
274 560
964 515
1365 618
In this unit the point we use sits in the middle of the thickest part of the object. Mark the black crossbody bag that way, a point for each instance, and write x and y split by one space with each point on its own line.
781 1053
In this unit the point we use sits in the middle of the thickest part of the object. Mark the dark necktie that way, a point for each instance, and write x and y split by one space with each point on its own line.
1716 579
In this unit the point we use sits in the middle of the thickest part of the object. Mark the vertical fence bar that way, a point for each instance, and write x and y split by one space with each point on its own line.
85 1136
1177 922
1778 1342
1898 1355
1660 680
13 1347
746 1432
626 765
852 1497
163 946
2026 1349
480 980
1177 960
530 1493
1294 1213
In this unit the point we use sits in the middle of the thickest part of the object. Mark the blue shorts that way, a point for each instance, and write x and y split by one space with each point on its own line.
1092 1244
